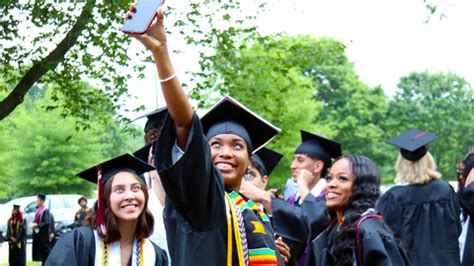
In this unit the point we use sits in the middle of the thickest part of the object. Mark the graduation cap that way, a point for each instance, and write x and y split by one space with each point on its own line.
412 143
229 116
319 147
16 206
41 196
156 118
145 153
102 172
267 160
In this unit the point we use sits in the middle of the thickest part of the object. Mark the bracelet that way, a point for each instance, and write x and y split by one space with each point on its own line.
168 78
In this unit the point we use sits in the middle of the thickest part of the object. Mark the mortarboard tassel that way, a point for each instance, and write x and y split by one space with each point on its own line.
100 193
150 161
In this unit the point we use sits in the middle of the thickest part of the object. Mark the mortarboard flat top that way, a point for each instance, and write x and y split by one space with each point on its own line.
229 116
267 159
16 206
412 143
125 162
314 144
143 152
155 118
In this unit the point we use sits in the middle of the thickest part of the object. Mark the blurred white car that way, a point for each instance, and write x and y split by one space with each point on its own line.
63 208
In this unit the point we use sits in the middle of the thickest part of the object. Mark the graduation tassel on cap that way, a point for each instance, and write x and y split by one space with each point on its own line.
100 193
150 162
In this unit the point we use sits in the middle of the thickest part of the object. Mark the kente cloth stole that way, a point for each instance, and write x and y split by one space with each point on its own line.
257 254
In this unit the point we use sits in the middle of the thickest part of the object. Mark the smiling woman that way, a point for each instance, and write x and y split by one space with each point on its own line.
120 224
351 191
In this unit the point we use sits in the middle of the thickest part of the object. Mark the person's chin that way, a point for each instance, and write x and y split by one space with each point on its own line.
231 179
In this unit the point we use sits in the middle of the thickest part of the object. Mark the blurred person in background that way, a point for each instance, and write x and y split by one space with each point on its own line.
41 230
82 212
466 200
16 237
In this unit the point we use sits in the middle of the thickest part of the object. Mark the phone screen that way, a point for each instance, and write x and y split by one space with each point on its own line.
145 12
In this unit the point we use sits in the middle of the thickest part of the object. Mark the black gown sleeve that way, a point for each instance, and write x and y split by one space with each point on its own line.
75 248
466 199
44 222
378 245
391 210
8 235
292 225
160 255
315 209
193 186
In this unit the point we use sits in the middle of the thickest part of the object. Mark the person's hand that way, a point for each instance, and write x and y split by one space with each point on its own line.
155 36
33 225
284 250
252 192
470 178
304 177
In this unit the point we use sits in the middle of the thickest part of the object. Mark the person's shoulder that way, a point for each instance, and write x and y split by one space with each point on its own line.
374 225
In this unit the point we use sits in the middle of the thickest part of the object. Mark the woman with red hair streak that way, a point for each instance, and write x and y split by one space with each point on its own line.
16 236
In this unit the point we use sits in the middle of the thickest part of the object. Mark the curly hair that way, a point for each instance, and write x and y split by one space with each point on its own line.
365 192
145 219
152 135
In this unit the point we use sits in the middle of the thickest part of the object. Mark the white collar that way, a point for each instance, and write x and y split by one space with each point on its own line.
316 191
115 257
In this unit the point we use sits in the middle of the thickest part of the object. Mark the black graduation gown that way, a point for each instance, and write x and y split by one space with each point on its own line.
312 211
466 200
378 246
77 248
426 218
17 251
41 245
195 215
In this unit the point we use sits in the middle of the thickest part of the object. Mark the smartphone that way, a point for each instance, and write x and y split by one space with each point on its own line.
142 16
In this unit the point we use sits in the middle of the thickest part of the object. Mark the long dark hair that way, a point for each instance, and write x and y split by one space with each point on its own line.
365 192
145 219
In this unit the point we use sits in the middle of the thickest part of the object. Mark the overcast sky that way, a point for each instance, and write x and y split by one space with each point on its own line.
385 39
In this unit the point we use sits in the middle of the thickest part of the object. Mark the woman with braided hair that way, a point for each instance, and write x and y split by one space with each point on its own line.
357 235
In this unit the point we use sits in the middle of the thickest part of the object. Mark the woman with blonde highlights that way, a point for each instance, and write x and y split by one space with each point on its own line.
422 209
419 172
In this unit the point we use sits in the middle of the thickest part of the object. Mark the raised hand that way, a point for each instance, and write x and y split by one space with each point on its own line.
155 36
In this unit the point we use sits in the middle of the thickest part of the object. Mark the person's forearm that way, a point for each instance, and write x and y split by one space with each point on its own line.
267 202
176 99
303 190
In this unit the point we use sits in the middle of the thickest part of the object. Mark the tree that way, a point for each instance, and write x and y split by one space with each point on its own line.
268 75
353 111
45 151
65 42
441 103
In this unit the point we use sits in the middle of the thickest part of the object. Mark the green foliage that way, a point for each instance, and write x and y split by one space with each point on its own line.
353 111
269 74
43 150
77 40
443 104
